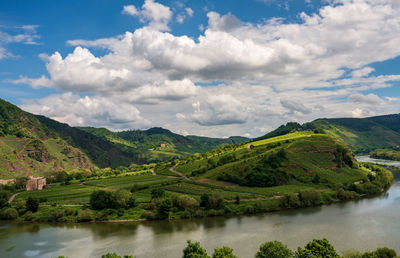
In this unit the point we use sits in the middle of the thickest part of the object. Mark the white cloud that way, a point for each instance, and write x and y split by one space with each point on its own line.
219 110
79 111
362 72
189 11
25 34
368 99
156 14
271 71
130 10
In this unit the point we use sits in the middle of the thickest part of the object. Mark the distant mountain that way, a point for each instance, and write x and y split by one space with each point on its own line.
157 144
360 134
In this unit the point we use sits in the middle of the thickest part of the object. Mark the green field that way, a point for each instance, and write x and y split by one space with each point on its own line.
79 192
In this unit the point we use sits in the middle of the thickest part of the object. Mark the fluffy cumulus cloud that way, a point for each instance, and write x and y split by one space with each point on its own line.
156 14
219 110
257 75
79 111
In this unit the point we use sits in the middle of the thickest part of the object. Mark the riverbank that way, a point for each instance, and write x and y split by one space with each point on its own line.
186 207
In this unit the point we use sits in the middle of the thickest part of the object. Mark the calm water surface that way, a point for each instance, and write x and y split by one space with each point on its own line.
364 225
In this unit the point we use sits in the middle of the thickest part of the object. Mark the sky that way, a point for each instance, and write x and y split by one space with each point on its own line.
202 67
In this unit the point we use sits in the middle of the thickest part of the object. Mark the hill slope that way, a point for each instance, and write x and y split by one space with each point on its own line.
158 144
301 158
360 134
32 145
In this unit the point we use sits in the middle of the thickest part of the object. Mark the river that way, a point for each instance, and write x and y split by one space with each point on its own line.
364 225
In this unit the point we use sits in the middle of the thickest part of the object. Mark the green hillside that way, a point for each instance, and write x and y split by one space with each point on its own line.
300 169
301 158
361 135
159 144
33 145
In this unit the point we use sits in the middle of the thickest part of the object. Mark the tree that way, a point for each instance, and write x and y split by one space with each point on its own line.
124 199
32 204
164 208
20 182
157 193
9 213
385 252
194 250
101 199
274 249
204 198
223 252
84 216
317 248
4 196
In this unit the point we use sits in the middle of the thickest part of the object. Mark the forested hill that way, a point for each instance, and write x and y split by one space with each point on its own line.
360 134
159 144
32 145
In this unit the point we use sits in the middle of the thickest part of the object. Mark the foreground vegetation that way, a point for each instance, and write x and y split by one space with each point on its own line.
317 248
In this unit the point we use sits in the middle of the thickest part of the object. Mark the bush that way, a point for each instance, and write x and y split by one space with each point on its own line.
310 197
273 249
346 195
32 204
157 193
385 252
317 248
211 201
20 206
194 250
101 199
164 208
9 214
28 216
148 215
186 202
223 252
56 216
84 216
124 199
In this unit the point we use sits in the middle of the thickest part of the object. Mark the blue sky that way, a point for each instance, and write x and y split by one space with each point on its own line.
214 68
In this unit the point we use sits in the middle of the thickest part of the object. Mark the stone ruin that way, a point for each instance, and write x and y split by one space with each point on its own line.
35 183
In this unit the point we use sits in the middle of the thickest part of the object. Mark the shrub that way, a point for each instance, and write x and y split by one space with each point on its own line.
164 208
385 252
9 214
223 252
32 204
148 215
20 206
273 249
194 250
186 202
310 197
56 216
157 193
124 199
317 248
101 199
28 216
84 215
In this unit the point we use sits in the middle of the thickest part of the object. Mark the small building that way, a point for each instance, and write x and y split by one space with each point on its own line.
35 183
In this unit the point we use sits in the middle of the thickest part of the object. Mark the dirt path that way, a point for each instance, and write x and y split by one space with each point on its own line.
12 198
179 174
